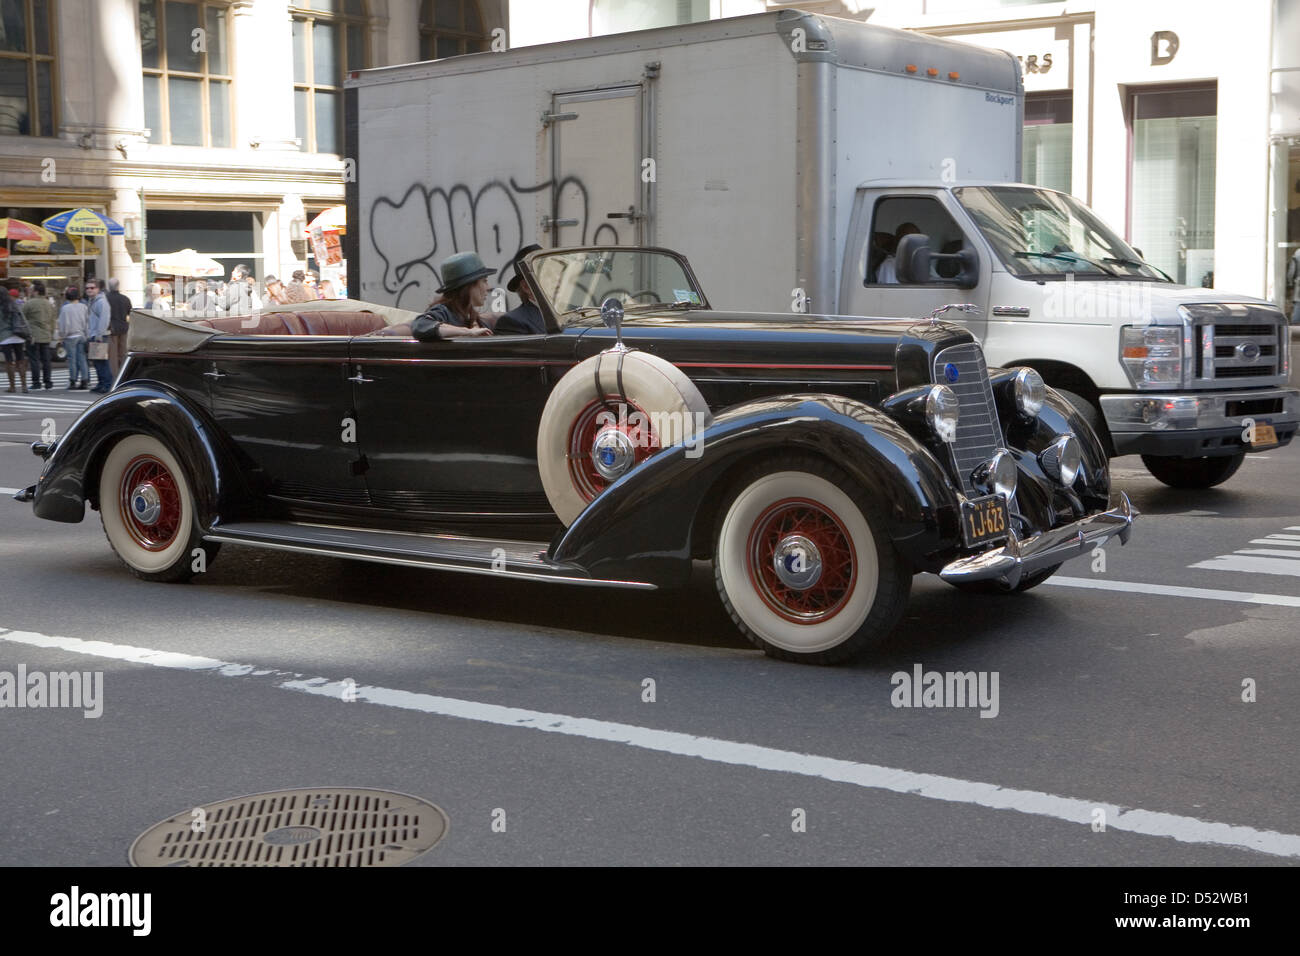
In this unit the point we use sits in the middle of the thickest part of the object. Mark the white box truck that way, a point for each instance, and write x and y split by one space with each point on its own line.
816 164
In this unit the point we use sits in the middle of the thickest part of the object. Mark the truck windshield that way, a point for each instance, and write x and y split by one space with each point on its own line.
577 280
1041 233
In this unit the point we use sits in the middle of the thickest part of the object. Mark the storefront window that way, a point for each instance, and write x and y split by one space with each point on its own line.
184 51
1171 198
1048 145
229 237
329 41
449 28
26 68
620 16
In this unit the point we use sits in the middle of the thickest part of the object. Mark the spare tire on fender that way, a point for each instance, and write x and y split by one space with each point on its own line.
608 414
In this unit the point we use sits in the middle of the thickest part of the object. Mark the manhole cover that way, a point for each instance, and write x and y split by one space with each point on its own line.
332 827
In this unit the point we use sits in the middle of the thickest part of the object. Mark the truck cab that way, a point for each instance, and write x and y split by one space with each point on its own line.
1191 379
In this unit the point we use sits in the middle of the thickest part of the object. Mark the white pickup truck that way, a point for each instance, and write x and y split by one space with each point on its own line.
790 156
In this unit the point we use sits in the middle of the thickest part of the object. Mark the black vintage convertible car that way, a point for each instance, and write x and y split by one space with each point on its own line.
820 462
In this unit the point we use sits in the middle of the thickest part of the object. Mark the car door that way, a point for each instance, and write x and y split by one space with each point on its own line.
286 403
449 428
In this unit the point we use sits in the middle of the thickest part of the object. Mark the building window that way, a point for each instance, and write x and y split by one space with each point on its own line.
1048 146
1171 180
622 16
449 28
185 49
329 41
26 67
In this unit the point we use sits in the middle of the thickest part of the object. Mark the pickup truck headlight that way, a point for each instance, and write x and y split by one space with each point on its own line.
1030 391
1152 355
941 410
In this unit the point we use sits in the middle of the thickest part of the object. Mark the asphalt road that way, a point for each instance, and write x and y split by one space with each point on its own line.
1119 689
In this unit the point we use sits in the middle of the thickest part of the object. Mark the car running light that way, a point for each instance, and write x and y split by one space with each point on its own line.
1062 460
941 412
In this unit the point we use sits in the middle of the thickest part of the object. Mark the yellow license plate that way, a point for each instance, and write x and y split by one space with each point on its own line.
984 519
1265 436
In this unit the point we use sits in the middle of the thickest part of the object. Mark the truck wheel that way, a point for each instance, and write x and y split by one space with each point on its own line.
804 565
643 404
147 509
1027 583
1193 472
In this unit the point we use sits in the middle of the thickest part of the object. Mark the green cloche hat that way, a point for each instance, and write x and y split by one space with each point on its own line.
461 269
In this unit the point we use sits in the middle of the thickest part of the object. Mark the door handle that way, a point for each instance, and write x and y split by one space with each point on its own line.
359 378
548 222
215 373
631 215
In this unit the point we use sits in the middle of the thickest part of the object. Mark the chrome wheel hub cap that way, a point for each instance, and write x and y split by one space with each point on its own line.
797 562
612 454
146 505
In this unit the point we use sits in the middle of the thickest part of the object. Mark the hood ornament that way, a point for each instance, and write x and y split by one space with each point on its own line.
969 307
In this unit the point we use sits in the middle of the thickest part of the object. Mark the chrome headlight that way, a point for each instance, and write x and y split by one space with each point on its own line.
1062 460
941 411
1030 391
997 476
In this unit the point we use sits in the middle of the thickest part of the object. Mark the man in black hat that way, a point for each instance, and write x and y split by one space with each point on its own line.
527 318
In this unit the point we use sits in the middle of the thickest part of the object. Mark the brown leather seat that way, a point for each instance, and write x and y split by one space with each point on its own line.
341 323
297 323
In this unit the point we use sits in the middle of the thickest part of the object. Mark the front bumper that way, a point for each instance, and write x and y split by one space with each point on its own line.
1197 424
1009 563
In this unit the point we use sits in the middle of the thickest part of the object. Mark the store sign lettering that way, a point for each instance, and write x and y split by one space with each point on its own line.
1033 63
1169 39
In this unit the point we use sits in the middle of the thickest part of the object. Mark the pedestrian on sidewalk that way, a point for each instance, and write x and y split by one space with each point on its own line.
39 312
74 319
101 318
119 307
14 336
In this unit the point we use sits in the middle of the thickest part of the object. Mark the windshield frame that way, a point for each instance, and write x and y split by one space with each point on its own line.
1105 237
558 319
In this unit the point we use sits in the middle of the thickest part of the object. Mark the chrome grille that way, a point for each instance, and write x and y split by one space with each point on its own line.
979 434
1238 342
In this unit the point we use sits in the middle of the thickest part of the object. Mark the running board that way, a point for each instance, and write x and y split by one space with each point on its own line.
441 552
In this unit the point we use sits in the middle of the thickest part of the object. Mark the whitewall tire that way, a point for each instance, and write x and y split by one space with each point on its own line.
804 564
147 508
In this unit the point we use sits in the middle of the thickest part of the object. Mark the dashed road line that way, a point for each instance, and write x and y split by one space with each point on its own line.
1169 590
1173 826
1260 561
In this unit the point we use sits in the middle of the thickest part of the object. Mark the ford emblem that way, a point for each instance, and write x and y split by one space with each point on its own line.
1247 352
950 373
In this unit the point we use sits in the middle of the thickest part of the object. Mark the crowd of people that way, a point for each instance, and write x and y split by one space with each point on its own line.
91 325
241 295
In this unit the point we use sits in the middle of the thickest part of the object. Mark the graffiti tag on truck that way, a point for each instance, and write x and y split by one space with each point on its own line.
412 234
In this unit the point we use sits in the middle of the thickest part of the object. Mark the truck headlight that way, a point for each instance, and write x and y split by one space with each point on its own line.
1030 391
941 411
1152 355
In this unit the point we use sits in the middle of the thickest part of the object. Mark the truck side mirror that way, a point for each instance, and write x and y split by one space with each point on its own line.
912 259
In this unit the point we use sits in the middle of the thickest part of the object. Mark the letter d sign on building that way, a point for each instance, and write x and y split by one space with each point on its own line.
1170 40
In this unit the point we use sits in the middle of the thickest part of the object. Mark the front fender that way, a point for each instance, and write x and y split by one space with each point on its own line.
69 477
644 525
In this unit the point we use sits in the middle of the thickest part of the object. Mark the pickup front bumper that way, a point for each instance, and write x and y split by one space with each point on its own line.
1197 424
1018 557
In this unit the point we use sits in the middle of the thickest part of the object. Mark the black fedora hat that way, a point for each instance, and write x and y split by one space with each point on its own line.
513 284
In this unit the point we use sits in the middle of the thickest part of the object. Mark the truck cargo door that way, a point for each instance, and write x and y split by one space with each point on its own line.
596 141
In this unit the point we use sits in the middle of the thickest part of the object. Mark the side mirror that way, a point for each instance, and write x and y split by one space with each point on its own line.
912 259
611 313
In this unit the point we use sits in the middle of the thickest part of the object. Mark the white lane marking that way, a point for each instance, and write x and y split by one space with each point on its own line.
1273 540
1168 590
1232 562
9 491
1285 537
1274 551
870 776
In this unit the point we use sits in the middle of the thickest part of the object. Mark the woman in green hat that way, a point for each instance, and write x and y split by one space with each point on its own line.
464 291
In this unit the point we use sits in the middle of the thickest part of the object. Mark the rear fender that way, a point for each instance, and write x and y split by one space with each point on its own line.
644 525
70 476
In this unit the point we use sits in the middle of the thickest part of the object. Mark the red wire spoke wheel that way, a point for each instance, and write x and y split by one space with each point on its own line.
627 438
150 503
804 563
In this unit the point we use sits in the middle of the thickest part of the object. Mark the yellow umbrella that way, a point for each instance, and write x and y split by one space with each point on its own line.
83 222
24 231
74 245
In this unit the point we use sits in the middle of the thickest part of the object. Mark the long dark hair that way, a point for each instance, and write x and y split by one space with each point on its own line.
459 301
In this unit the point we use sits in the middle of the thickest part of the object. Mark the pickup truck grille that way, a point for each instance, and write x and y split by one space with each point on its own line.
979 434
1239 343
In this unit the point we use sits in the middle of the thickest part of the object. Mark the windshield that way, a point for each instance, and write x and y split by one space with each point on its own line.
583 279
1039 233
